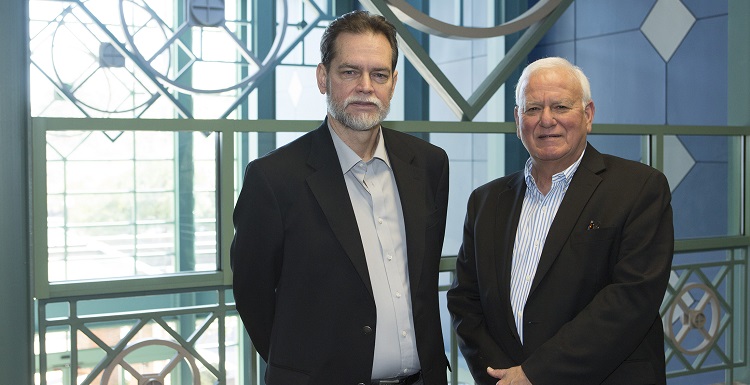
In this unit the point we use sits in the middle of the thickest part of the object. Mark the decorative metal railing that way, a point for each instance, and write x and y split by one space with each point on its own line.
150 337
180 328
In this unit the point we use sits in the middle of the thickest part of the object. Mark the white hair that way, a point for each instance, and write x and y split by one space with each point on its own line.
552 63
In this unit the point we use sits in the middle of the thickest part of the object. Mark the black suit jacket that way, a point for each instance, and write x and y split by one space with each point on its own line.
592 316
301 282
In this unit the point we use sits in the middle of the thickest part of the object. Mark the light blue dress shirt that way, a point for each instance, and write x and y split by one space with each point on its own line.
537 213
377 207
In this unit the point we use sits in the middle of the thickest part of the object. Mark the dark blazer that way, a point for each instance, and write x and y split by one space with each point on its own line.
301 282
592 316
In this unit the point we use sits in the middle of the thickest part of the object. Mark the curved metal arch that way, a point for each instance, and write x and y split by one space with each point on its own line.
424 23
467 109
145 63
153 378
69 89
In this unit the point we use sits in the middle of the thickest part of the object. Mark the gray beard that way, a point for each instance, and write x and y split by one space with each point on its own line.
360 122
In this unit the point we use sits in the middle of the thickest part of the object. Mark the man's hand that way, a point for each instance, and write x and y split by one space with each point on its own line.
510 376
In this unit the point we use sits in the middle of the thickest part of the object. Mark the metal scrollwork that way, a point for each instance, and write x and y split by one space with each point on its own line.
152 378
205 18
697 318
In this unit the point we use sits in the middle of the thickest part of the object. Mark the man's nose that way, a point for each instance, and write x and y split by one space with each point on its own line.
365 84
547 118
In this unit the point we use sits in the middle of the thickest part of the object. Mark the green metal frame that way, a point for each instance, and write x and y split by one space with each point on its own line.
48 292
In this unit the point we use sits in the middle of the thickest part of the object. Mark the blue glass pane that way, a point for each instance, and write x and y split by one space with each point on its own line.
704 178
697 76
603 17
703 8
624 146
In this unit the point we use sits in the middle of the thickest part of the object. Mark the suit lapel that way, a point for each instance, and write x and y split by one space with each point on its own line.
411 189
329 188
508 214
583 185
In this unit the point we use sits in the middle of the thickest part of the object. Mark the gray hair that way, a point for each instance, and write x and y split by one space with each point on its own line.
552 63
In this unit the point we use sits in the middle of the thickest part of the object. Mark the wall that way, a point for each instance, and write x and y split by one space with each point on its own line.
15 297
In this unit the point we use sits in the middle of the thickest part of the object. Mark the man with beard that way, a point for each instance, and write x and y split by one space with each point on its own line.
338 234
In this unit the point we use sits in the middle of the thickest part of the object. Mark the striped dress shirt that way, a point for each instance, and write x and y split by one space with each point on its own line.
537 213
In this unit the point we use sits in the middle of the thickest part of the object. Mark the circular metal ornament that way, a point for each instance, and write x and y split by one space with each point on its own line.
700 319
78 71
159 57
153 378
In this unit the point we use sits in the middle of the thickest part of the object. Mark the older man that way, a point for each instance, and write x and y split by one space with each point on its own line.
564 265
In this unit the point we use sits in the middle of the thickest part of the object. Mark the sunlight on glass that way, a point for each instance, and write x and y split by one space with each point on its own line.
144 204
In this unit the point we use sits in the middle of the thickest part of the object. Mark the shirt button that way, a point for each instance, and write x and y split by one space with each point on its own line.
544 209
528 278
367 330
536 243
403 333
380 220
390 257
398 295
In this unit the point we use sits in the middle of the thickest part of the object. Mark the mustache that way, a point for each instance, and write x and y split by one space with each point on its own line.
371 100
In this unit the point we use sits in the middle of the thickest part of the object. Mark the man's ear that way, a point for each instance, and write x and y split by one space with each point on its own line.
395 79
518 123
589 111
322 75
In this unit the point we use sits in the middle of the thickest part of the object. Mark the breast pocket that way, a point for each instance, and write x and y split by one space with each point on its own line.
592 251
595 238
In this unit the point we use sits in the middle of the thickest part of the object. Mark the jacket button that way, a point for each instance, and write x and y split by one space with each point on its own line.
367 330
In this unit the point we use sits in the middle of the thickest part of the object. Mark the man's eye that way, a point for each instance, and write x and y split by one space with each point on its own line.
562 108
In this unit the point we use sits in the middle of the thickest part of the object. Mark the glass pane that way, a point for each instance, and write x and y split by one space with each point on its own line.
298 97
475 159
460 370
124 204
624 146
705 176
162 59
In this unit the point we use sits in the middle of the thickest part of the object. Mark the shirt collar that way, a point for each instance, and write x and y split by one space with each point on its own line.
565 175
348 158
